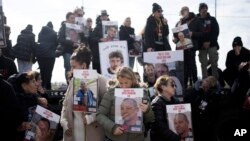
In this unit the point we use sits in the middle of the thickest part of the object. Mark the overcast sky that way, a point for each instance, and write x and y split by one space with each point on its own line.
233 18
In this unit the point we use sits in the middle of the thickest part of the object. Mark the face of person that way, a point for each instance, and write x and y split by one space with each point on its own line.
158 13
115 63
75 65
161 70
185 13
237 49
127 22
203 11
83 86
44 128
180 125
71 19
89 23
205 85
181 36
149 70
30 87
112 32
129 111
125 82
169 89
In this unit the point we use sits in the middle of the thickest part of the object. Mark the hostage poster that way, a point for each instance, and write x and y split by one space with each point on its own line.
85 90
127 112
110 30
183 38
113 56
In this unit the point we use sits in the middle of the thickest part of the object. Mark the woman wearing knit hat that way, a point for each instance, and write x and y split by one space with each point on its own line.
237 58
156 31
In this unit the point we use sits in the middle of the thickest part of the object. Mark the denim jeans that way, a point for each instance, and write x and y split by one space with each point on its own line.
67 67
24 66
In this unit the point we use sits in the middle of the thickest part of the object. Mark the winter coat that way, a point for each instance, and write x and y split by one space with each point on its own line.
7 67
151 34
160 128
47 40
94 132
95 37
25 47
106 117
210 30
128 34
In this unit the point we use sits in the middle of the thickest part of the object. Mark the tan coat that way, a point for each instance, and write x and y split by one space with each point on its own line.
94 132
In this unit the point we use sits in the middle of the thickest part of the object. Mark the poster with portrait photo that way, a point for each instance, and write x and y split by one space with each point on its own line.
180 120
127 112
183 38
85 90
72 32
44 124
113 56
138 48
165 63
2 30
106 25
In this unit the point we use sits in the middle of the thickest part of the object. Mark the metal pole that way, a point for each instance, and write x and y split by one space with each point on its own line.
215 8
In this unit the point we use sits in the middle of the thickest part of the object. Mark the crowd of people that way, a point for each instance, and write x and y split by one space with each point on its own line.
23 88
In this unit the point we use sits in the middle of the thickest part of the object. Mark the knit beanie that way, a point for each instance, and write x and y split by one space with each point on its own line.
156 7
237 42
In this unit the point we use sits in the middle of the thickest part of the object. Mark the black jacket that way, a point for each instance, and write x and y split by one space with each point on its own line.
151 34
210 29
95 37
47 39
160 128
125 33
25 47
7 67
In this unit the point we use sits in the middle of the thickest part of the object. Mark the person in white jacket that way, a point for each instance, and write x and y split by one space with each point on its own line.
78 126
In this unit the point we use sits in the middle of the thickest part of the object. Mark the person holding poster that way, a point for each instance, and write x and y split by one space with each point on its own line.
105 116
76 125
115 61
181 125
160 130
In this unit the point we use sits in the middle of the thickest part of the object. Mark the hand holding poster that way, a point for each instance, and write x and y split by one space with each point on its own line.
44 124
184 39
180 121
85 90
127 112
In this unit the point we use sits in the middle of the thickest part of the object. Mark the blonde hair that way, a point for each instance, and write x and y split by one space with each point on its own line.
162 80
126 72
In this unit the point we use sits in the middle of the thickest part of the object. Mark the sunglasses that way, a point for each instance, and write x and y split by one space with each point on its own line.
159 11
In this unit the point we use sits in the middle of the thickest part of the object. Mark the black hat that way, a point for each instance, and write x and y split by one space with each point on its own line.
202 5
49 24
156 7
237 42
104 13
29 27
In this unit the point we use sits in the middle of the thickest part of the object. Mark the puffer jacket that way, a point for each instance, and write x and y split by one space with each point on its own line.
106 117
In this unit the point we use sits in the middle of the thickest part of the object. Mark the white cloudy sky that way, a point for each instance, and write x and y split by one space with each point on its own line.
233 18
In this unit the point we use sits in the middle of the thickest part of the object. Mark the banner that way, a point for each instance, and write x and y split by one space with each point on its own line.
44 123
127 112
113 56
161 63
85 90
184 39
180 120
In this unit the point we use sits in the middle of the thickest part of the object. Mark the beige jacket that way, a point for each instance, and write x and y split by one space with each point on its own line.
69 118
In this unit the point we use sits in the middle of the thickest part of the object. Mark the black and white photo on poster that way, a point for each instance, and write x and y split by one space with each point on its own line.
183 38
180 120
127 112
85 90
110 30
138 48
165 63
113 56
44 124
